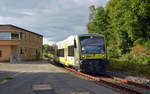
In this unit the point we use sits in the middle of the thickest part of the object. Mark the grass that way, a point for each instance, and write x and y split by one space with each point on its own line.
5 63
8 78
131 67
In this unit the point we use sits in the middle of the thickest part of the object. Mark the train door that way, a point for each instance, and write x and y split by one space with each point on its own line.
76 53
66 54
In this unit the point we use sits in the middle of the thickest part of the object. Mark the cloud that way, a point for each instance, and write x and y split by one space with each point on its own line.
48 41
54 19
27 12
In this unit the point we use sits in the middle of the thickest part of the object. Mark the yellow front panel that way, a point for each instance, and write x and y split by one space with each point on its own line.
92 56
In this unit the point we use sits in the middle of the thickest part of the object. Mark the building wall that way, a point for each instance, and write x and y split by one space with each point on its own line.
30 43
6 51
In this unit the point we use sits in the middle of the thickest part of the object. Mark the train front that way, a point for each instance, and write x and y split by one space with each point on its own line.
92 53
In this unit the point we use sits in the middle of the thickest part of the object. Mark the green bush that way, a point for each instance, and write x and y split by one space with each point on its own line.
112 53
45 55
148 61
139 65
139 41
147 44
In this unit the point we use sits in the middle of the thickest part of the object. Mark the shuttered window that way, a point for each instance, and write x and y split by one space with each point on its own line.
71 50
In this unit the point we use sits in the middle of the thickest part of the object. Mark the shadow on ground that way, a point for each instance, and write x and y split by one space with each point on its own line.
61 83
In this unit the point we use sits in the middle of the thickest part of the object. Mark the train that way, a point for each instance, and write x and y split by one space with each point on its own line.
84 52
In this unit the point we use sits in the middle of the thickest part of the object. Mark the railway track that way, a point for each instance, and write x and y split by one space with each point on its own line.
116 83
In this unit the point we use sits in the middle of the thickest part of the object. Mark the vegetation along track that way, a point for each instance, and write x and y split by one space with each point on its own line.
116 83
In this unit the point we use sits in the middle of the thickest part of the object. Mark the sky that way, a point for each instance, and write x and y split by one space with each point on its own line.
54 19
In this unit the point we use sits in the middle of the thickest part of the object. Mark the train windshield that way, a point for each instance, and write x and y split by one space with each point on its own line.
92 45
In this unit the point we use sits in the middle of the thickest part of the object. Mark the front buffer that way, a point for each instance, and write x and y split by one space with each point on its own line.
93 66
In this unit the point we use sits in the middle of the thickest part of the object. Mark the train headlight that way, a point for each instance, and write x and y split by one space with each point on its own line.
83 57
83 48
103 56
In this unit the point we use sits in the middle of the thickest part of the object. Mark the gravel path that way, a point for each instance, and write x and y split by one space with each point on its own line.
131 77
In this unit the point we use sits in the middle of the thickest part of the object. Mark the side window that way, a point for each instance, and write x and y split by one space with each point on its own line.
52 50
71 50
60 53
0 53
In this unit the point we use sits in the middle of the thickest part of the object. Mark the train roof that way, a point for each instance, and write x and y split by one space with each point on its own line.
93 34
68 41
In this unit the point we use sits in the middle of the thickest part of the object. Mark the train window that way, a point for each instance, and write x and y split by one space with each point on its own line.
0 53
71 50
52 50
60 53
57 52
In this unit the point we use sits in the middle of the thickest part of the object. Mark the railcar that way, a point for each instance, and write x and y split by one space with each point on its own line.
85 52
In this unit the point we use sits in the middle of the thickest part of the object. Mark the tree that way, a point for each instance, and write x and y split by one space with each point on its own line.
47 48
97 20
128 22
125 22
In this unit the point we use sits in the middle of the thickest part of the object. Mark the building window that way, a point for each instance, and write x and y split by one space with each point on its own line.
5 36
0 53
60 53
21 51
71 50
24 36
9 36
20 35
15 36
